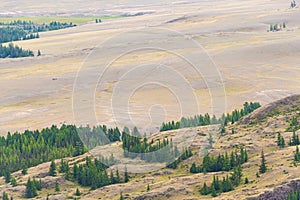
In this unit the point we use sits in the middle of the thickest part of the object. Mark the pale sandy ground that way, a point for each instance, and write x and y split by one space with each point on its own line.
255 65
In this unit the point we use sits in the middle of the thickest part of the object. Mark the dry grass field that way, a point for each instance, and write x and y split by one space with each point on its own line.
254 64
65 85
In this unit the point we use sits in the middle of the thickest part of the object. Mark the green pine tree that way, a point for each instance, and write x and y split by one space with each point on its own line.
193 168
297 155
204 190
7 176
30 189
52 170
213 191
14 182
263 167
77 193
5 196
57 189
126 176
24 171
121 196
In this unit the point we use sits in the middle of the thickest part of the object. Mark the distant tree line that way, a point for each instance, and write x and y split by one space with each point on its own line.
30 148
98 135
153 151
203 120
31 27
221 162
276 27
24 30
9 34
14 51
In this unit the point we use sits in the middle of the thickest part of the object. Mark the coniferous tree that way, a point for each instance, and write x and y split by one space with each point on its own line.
121 196
280 141
204 190
193 168
246 180
294 195
5 196
112 178
297 155
263 167
237 175
77 193
30 189
126 176
14 182
38 184
24 171
271 27
7 176
213 191
75 171
57 189
148 188
52 170
117 180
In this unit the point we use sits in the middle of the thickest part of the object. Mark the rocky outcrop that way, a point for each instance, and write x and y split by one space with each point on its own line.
280 192
156 195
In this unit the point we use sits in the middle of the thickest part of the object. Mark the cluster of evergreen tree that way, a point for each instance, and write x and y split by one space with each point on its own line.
93 174
293 4
14 51
24 30
221 162
294 125
277 27
98 21
32 186
98 135
225 185
295 195
153 151
187 153
280 140
30 148
55 25
294 140
31 27
200 120
9 34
